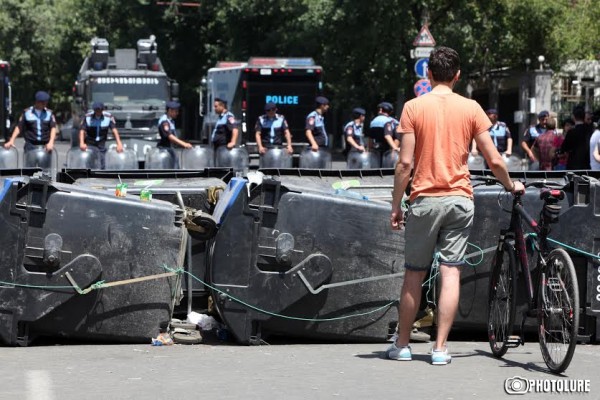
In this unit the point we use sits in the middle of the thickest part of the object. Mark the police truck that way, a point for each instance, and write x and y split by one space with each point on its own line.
133 86
291 83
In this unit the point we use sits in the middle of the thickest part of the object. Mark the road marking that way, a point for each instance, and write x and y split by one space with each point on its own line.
39 385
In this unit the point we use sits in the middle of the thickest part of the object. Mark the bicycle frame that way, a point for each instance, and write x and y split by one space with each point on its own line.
518 215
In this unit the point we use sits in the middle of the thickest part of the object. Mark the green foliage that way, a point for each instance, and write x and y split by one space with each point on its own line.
363 46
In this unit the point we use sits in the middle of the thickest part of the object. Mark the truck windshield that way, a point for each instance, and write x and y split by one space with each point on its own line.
119 91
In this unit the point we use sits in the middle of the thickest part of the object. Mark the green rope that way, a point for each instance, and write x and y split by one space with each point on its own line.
574 249
430 281
3 283
97 285
177 271
481 255
282 315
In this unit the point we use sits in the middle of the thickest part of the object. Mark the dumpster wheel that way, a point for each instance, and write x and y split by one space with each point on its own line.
183 336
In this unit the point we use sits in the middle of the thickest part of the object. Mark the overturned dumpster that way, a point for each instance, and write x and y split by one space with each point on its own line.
194 191
84 264
309 253
295 257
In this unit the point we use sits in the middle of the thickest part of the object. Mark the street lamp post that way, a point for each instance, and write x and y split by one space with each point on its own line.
541 60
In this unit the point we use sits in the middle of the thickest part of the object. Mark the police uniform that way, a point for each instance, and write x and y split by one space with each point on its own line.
500 135
96 132
97 128
381 126
355 131
532 134
272 130
223 130
35 125
166 128
315 123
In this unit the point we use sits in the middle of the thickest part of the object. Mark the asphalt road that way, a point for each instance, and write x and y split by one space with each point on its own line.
290 371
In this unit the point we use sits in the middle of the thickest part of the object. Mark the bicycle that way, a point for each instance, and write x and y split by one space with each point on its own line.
554 300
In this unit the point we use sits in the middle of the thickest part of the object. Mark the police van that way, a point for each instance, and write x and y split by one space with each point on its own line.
291 83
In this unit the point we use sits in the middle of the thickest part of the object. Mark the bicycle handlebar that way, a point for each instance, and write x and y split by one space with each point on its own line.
542 184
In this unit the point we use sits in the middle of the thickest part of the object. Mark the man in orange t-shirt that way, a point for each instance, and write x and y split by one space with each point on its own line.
437 129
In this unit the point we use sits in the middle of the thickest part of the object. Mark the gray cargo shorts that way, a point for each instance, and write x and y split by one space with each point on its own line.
439 224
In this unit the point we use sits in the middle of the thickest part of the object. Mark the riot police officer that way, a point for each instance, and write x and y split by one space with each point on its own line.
225 132
270 130
167 131
37 124
93 132
500 135
353 131
382 127
315 125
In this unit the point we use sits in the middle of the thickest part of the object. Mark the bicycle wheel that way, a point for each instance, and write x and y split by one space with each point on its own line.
558 316
502 299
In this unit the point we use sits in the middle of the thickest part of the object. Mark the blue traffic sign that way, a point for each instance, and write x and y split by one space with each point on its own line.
421 67
422 87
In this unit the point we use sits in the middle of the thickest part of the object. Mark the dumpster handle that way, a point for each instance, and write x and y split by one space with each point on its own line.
345 283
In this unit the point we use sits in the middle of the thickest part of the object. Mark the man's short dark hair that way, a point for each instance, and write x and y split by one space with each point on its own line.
444 63
222 101
578 113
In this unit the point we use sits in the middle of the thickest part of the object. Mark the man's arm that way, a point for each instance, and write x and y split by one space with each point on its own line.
257 137
496 163
311 140
390 140
82 144
389 136
288 138
525 147
401 178
353 143
596 153
13 137
234 136
176 140
115 133
509 144
50 144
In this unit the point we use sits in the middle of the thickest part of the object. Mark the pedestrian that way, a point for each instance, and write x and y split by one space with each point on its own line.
560 159
168 132
500 135
545 146
270 130
531 134
315 125
577 142
437 130
225 132
38 125
353 131
94 129
588 120
382 127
